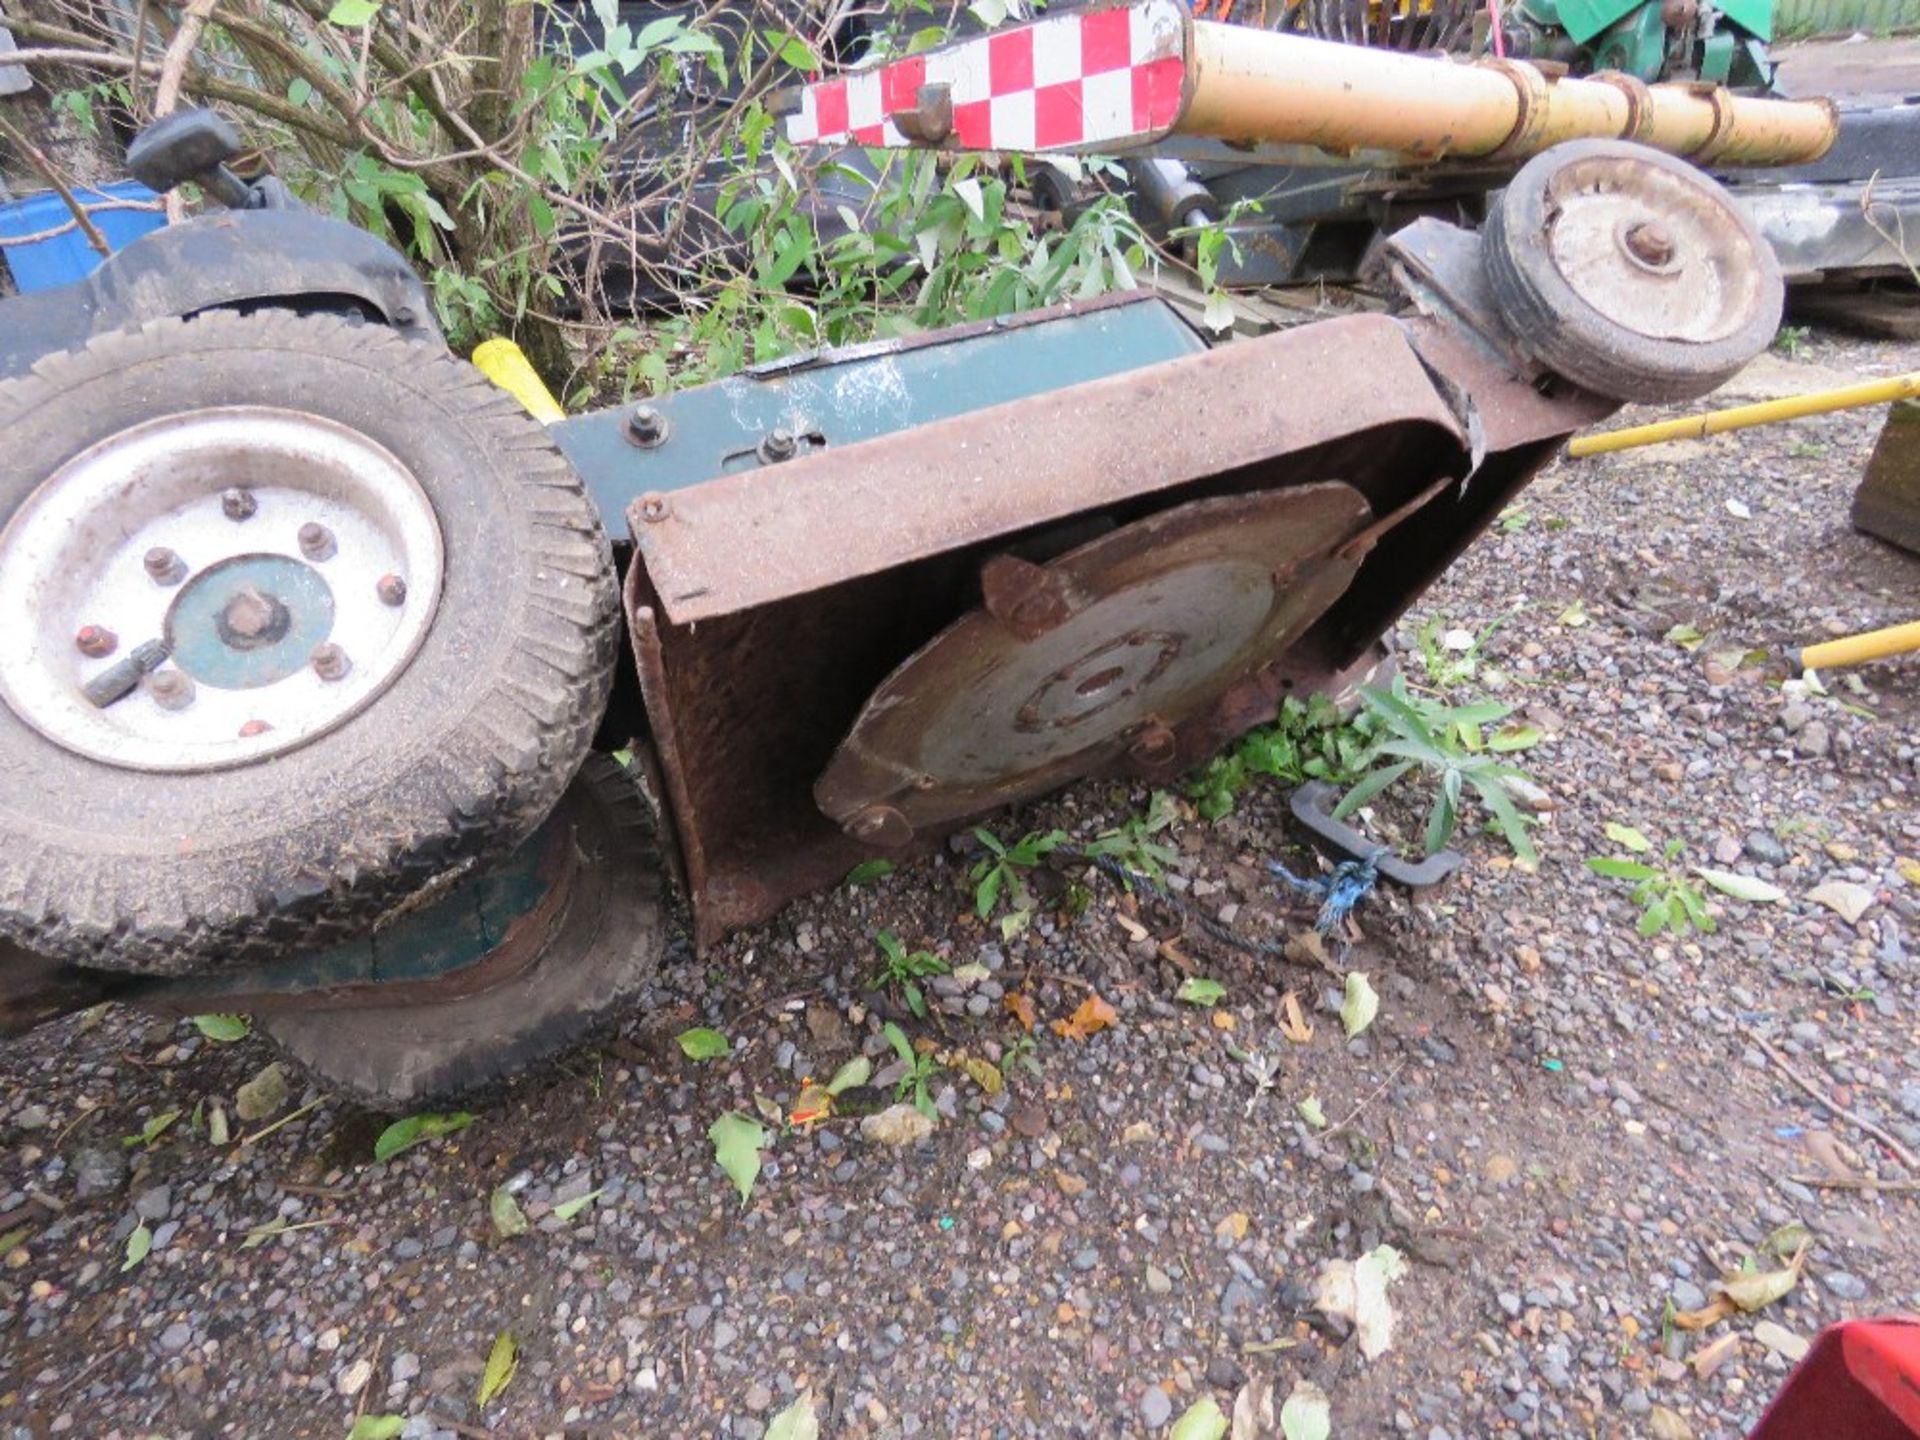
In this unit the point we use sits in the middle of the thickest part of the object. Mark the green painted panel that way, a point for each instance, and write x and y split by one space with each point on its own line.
843 397
1753 16
1585 19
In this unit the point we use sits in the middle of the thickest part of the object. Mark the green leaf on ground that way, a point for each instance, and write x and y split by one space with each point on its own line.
703 1044
1360 1005
1629 837
1196 991
378 1427
508 1218
1515 736
1782 1242
1754 1290
567 1209
14 1239
262 1097
152 1130
1741 887
224 1028
1203 1421
1307 1415
854 1073
736 1141
1615 869
502 1361
404 1134
139 1243
1311 1112
797 1422
868 871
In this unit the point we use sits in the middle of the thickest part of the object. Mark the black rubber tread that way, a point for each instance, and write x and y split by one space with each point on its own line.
458 761
605 949
1560 330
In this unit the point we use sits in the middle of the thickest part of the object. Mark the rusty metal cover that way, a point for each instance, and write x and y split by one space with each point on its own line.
1887 503
1106 647
758 537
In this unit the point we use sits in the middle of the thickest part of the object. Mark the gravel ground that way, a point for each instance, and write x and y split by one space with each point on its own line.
1568 1131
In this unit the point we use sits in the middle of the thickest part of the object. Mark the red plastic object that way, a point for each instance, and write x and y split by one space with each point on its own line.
1861 1381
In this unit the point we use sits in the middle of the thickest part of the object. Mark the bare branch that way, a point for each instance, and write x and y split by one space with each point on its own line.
51 174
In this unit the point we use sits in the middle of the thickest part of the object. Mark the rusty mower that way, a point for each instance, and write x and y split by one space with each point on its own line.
312 631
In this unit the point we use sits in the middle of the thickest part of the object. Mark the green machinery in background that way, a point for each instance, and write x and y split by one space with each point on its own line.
1650 39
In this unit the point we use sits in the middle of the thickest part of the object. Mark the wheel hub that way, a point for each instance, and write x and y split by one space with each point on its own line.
214 588
1099 652
1649 250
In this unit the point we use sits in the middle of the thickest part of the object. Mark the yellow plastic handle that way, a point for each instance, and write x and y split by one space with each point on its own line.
1858 649
506 365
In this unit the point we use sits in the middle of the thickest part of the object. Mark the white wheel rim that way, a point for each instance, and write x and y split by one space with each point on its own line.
247 614
1694 284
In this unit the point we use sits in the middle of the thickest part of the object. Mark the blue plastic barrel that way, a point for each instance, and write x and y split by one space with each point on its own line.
69 257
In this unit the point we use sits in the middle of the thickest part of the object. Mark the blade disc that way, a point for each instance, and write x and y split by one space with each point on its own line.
1149 623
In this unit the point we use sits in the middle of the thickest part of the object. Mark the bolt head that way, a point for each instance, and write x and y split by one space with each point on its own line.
391 589
253 728
654 507
316 541
646 426
171 689
778 444
95 641
238 504
249 615
330 661
163 566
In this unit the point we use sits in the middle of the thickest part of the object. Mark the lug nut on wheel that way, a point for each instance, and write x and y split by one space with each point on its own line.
330 661
164 567
171 689
391 589
316 541
238 504
95 641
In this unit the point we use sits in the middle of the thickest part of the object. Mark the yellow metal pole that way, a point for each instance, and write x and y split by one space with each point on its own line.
1251 85
1743 417
1858 649
506 365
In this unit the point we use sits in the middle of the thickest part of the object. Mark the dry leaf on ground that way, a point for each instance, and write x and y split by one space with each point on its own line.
1093 1016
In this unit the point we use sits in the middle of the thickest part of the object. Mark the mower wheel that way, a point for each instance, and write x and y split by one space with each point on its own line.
597 947
302 617
1629 272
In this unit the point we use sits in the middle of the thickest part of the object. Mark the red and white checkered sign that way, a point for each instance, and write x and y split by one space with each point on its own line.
1090 81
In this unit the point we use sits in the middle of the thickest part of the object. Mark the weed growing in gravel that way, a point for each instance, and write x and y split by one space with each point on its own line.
1450 655
1001 876
1131 843
1308 741
1663 888
1449 744
1668 900
905 969
1792 341
920 1070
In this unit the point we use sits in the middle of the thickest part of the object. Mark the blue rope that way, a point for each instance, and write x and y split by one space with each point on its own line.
1351 882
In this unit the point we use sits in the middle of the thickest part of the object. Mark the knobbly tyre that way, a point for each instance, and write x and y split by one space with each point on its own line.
319 643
